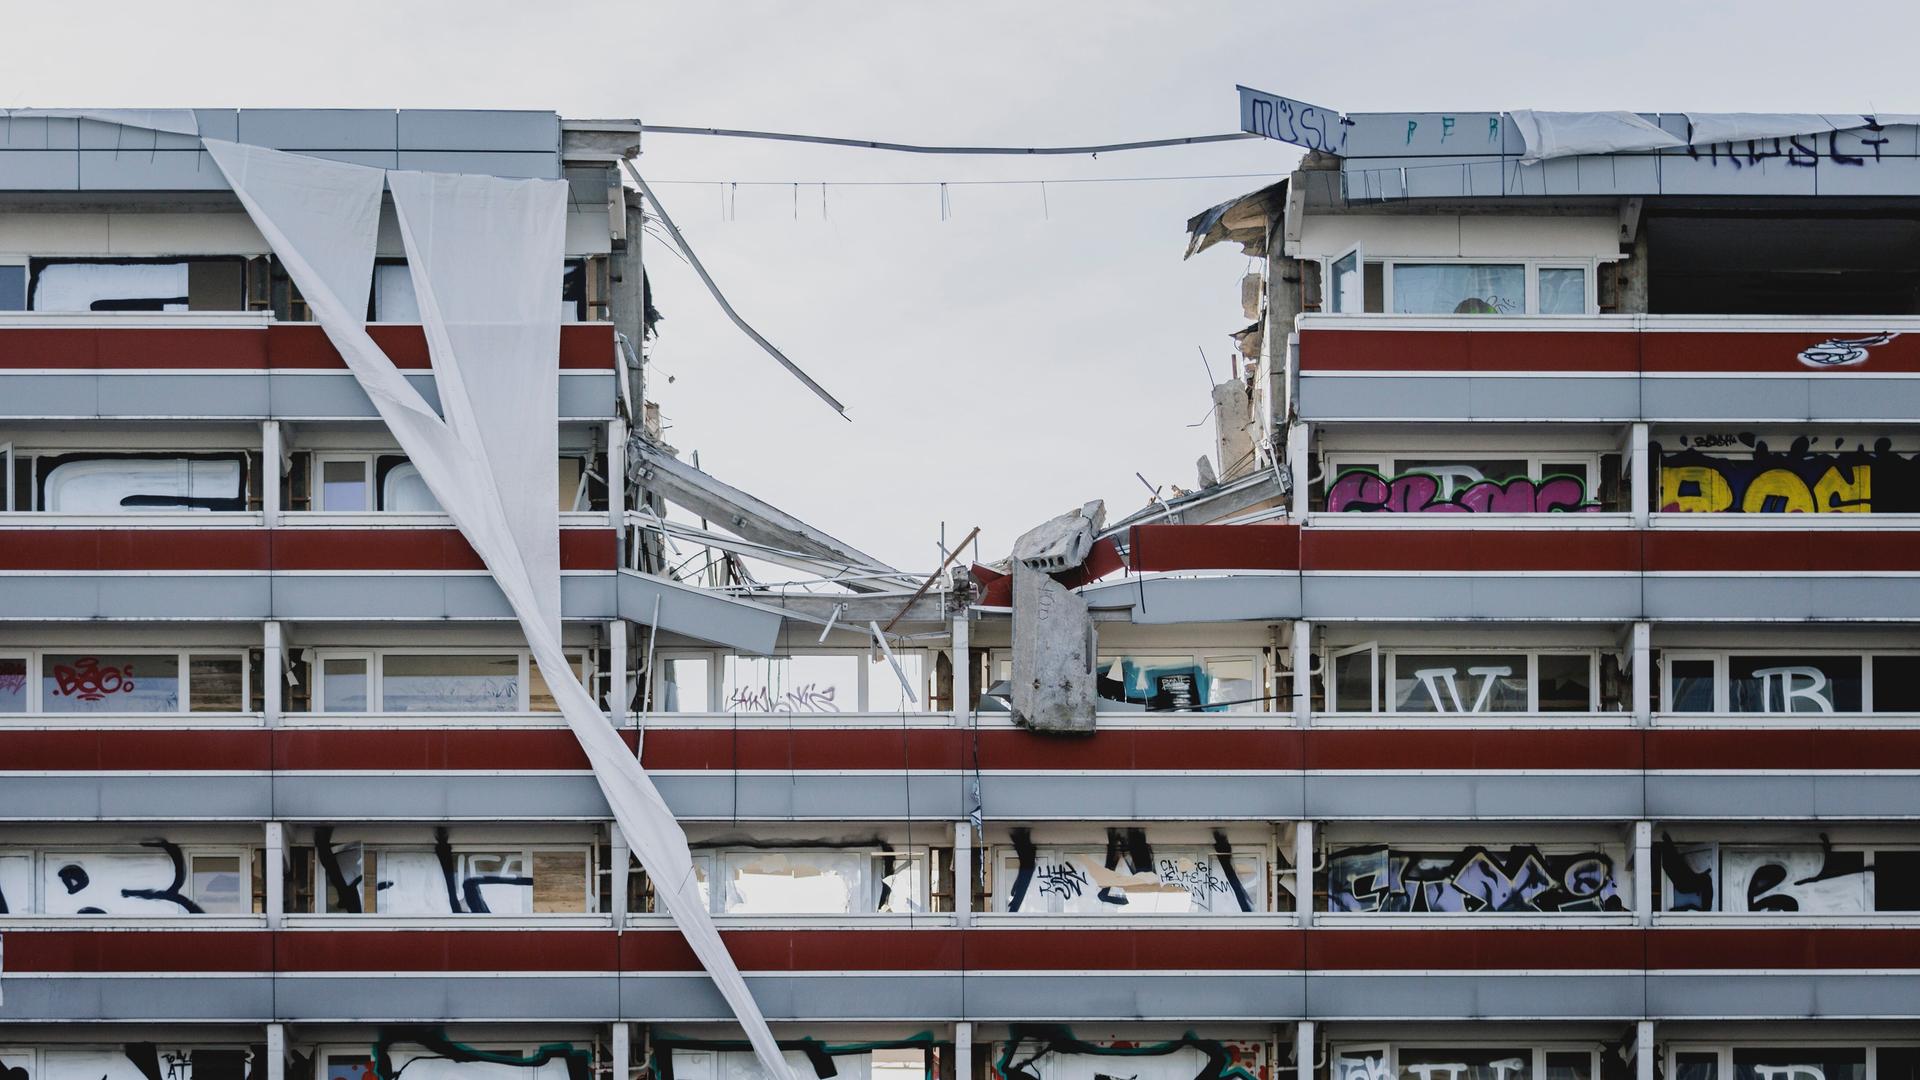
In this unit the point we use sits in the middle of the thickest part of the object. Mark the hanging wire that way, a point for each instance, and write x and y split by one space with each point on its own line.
915 148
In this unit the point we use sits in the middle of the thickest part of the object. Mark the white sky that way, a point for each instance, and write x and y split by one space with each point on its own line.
1000 366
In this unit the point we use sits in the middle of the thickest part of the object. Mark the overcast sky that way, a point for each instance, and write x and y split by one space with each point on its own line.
1031 351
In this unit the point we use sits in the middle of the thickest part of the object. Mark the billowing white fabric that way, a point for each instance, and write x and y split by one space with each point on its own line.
484 253
1710 128
1565 134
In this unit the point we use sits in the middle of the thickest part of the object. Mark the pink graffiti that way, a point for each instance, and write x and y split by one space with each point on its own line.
1417 493
88 681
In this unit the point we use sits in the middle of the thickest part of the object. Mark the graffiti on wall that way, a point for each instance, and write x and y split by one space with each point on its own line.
1797 878
1803 479
1377 878
100 882
135 1061
1130 863
1843 352
1053 1052
806 697
420 883
1855 146
1367 491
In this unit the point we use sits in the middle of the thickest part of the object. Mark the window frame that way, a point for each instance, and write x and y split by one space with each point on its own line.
1723 1052
1256 882
36 676
25 263
1201 658
1536 1062
1870 849
188 852
1530 269
867 664
584 659
713 862
1385 669
526 851
1723 683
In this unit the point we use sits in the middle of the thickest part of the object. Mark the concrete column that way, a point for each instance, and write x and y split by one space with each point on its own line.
270 472
621 869
1643 1051
616 472
1643 871
963 873
622 1051
1642 664
962 669
963 1050
1302 688
276 1052
1639 476
1303 1050
1300 465
275 873
617 690
1303 859
273 670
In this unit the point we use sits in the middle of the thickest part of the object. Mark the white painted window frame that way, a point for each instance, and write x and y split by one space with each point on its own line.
582 659
1531 266
1391 656
1537 1052
1723 685
865 671
40 855
36 674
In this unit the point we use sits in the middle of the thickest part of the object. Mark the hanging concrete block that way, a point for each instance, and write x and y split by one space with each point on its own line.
1053 642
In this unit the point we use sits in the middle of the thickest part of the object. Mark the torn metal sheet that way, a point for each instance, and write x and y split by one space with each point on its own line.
698 613
1242 219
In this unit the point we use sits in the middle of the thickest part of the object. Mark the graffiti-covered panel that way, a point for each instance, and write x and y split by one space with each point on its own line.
1130 876
1460 487
1741 473
1805 879
1475 878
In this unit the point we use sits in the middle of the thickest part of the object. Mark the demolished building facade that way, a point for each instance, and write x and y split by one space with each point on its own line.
1610 780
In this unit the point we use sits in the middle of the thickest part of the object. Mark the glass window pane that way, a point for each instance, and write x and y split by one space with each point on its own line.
13 684
1896 683
495 882
1800 879
1150 683
1345 290
1563 290
884 692
1800 1063
1692 685
1459 289
343 684
343 486
1897 1063
1568 1065
1696 1066
902 888
1230 687
1896 880
450 683
110 883
559 882
790 684
1459 683
1793 684
539 696
1458 1063
793 883
108 286
13 288
215 684
1353 682
110 683
403 490
216 885
1566 683
682 685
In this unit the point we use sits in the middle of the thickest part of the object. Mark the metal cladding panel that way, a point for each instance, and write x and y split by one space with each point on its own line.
1855 796
1149 796
1409 397
1394 996
1887 176
1549 398
149 170
720 795
136 596
404 796
682 609
389 997
1862 399
589 397
136 997
785 997
49 396
39 170
1799 996
1744 400
541 166
1699 795
320 129
392 596
1775 596
1134 997
1439 595
227 395
1201 599
1376 796
124 796
478 129
1715 174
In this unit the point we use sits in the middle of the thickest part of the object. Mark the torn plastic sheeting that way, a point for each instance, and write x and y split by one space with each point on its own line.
1567 134
482 251
1706 129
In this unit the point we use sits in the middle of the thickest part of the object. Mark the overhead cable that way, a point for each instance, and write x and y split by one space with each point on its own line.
914 148
720 298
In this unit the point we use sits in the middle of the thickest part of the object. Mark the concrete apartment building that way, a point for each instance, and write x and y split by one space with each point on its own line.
1617 778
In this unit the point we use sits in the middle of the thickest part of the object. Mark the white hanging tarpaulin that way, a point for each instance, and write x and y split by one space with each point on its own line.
483 253
1566 134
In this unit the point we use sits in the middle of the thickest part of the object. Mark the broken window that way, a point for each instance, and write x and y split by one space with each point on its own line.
137 285
401 879
801 683
1471 483
1807 879
1178 682
1370 679
1808 684
1128 876
95 483
157 878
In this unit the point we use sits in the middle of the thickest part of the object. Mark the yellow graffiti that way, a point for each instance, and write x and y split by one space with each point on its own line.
1777 484
1713 495
1832 494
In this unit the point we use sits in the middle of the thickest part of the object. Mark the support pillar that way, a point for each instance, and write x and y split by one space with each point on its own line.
963 1050
275 873
963 873
1641 661
1303 1050
276 1052
1639 476
270 455
1299 468
619 694
273 671
621 1051
1643 1063
617 489
1643 871
1303 860
1302 659
962 670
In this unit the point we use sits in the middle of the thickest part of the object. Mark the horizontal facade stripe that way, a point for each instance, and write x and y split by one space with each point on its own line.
204 395
290 549
1624 348
583 346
